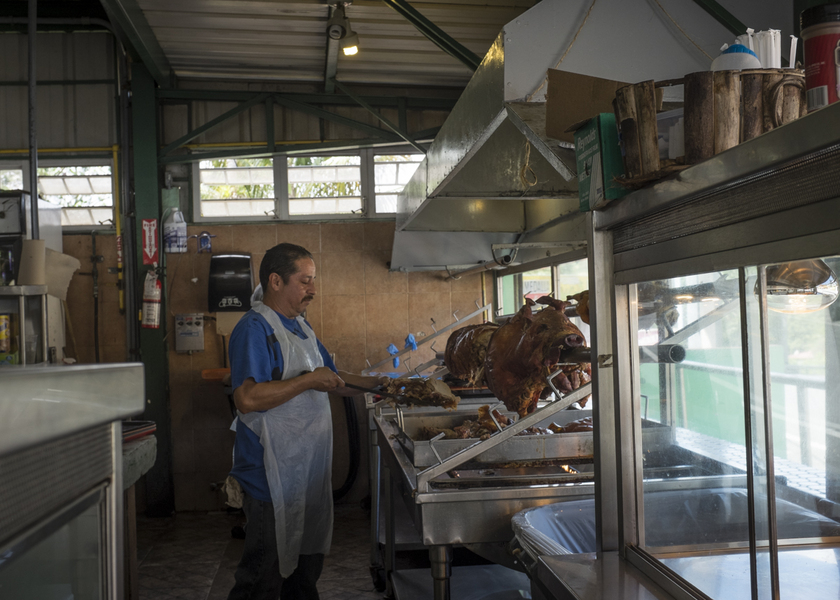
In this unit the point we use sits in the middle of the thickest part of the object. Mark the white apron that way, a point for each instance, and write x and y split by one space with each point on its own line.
297 441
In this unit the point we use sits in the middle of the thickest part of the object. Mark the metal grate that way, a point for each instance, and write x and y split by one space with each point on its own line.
40 480
798 183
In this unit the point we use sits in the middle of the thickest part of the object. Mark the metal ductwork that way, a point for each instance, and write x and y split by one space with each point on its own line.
491 176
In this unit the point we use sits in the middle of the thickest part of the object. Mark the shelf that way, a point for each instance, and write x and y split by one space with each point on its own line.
766 153
23 290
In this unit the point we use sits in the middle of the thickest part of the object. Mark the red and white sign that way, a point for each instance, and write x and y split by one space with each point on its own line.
150 241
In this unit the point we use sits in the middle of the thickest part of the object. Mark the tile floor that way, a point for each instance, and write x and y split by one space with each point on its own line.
192 556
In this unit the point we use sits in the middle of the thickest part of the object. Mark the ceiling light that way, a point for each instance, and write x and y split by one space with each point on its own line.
800 286
350 42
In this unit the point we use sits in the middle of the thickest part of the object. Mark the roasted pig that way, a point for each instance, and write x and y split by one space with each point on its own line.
465 351
523 352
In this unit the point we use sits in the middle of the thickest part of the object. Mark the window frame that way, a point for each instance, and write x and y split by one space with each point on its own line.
281 189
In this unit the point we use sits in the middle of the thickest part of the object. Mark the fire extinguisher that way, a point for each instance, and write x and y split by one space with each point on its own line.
150 314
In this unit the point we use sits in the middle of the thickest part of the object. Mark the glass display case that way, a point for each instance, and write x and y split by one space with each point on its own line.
726 331
712 492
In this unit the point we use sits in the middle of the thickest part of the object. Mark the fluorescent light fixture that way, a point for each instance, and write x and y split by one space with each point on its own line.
800 286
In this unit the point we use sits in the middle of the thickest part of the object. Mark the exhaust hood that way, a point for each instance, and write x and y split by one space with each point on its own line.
491 176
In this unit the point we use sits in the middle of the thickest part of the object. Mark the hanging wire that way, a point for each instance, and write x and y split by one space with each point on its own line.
572 43
526 169
682 31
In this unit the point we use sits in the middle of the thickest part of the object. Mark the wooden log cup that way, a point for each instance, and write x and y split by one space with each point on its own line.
625 115
648 133
725 108
699 116
635 112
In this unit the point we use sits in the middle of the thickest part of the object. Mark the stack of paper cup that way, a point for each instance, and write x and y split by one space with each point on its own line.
33 263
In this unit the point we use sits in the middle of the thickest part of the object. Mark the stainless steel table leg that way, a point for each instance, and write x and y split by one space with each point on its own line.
441 559
376 562
390 531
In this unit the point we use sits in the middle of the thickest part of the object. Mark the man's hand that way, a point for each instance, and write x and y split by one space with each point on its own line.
323 379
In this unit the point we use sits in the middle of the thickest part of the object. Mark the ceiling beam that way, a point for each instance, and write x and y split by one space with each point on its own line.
128 18
258 99
315 111
722 16
387 123
437 35
411 103
262 151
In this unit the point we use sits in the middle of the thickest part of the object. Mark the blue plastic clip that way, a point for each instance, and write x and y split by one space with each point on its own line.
392 349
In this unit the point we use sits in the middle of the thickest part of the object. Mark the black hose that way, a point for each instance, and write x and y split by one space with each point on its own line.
355 449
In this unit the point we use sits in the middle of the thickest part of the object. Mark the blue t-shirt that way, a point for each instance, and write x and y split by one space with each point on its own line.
255 353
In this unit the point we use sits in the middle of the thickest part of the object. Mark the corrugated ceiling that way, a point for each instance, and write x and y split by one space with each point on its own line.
287 40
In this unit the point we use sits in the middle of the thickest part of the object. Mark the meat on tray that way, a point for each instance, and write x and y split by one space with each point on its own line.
523 352
483 427
422 391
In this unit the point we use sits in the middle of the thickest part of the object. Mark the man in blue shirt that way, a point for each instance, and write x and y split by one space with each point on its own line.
280 374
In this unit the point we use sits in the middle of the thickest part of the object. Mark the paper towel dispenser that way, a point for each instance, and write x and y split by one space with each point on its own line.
231 283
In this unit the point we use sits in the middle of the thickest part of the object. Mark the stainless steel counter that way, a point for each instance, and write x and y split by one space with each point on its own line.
41 403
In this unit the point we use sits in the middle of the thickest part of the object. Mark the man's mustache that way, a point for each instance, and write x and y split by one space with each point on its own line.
308 298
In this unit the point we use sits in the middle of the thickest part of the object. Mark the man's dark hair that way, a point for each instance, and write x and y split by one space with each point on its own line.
282 259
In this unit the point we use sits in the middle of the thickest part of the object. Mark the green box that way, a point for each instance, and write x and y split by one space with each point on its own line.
599 162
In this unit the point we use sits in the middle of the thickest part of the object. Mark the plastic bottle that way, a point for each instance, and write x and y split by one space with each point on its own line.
175 233
736 57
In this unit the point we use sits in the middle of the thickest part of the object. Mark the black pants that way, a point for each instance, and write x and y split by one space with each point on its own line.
258 574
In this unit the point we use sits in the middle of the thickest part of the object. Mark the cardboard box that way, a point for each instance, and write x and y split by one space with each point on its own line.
599 162
572 98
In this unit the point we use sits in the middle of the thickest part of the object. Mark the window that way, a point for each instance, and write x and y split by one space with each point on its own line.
11 179
391 173
344 185
83 191
324 185
236 187
564 280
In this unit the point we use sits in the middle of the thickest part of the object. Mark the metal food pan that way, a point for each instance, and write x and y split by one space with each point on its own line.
521 447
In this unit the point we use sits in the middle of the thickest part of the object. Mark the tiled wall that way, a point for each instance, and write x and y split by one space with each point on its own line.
360 308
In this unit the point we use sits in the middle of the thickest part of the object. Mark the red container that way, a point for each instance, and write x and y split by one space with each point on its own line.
820 32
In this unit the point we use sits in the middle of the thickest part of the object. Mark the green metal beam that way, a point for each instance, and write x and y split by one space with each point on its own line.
722 16
258 99
154 353
388 123
424 103
330 116
438 37
128 18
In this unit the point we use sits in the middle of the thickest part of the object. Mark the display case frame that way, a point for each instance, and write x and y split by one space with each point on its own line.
771 200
